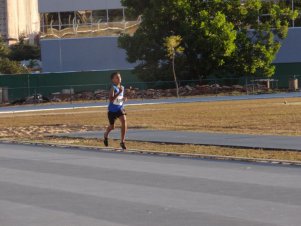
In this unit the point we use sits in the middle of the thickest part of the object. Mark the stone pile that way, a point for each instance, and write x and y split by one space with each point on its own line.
85 95
136 93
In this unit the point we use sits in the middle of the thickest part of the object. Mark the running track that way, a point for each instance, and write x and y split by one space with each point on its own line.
43 186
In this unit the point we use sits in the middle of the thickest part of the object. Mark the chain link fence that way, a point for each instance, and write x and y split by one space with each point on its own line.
137 90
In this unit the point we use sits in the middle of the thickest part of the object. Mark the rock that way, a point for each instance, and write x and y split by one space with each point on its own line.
55 99
227 88
238 87
68 91
196 92
100 91
150 92
189 88
100 97
215 86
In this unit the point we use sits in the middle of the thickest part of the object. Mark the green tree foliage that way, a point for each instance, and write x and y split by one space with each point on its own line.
4 50
24 51
8 66
173 47
218 36
260 27
11 67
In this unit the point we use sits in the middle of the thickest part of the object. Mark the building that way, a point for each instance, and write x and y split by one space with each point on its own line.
19 18
82 35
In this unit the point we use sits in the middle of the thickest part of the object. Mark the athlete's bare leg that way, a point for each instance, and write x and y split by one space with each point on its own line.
123 127
108 130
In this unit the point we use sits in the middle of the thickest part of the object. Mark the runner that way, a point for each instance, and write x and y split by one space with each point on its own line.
116 109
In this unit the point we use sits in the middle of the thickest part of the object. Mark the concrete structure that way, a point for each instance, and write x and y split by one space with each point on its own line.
19 18
83 54
290 51
79 35
3 18
76 5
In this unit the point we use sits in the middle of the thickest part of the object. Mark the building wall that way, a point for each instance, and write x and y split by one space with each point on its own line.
75 5
22 18
83 54
102 53
3 21
290 51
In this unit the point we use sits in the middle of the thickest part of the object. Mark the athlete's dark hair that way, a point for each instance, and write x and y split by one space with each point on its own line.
114 74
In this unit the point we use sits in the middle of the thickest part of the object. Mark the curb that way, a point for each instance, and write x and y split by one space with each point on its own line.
157 153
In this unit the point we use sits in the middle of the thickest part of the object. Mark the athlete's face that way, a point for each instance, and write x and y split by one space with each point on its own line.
117 79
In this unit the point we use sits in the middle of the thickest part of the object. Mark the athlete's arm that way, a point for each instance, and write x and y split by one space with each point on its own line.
112 95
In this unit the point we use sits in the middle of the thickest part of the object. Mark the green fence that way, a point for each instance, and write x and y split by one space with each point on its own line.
284 72
21 86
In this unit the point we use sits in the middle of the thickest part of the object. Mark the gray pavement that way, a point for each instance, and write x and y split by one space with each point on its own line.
51 107
44 186
215 139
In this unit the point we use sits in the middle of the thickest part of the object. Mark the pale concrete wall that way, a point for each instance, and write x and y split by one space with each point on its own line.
75 5
22 18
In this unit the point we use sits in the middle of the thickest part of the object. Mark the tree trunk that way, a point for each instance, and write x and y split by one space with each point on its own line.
174 75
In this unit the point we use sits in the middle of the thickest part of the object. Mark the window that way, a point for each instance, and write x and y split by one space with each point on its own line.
116 15
67 19
51 19
88 23
84 17
99 16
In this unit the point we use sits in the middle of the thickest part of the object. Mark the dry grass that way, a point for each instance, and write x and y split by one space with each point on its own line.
243 117
277 117
190 149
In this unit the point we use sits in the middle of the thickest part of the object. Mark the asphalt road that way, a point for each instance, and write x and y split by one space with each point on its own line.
292 143
49 186
51 107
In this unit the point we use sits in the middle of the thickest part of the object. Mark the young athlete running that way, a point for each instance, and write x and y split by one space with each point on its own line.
116 109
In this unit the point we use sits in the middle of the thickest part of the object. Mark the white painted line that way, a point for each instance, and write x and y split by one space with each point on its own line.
74 108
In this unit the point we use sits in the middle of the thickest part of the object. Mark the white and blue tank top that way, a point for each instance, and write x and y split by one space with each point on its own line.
117 105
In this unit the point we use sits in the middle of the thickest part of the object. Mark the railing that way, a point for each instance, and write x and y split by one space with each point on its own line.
91 30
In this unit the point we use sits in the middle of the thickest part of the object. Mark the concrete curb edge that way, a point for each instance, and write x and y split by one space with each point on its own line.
157 153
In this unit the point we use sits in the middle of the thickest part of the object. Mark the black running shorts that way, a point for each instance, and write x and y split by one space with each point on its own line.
112 116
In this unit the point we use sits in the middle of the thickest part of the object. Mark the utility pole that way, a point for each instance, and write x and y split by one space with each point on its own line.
293 7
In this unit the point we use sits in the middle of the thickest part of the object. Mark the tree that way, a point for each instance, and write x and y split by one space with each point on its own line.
8 66
4 50
261 26
173 47
11 67
24 51
218 36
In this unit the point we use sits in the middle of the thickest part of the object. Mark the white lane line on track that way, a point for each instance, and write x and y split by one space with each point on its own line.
219 99
74 108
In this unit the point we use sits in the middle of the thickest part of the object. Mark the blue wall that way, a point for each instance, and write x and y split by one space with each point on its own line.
290 51
83 54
